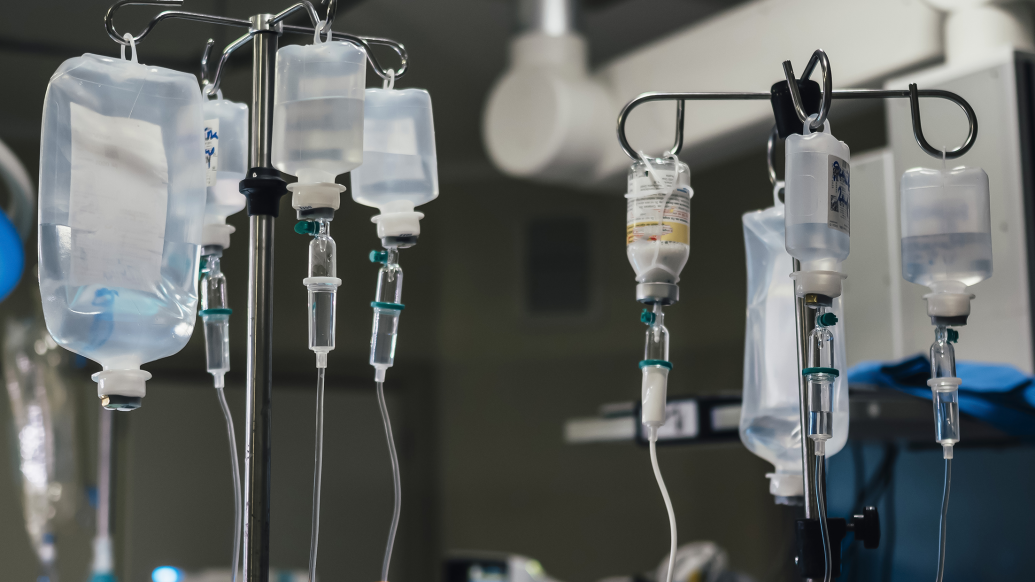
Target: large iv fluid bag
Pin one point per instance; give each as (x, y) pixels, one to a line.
(770, 422)
(122, 197)
(657, 223)
(226, 161)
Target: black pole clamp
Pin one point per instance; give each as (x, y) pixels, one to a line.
(787, 121)
(263, 188)
(810, 560)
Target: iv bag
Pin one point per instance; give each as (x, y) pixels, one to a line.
(226, 161)
(770, 421)
(44, 426)
(122, 198)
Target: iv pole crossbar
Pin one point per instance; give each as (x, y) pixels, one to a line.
(913, 94)
(275, 23)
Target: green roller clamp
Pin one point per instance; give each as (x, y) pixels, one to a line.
(826, 319)
(647, 317)
(378, 256)
(954, 336)
(662, 363)
(306, 227)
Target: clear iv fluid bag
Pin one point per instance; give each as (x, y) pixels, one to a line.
(946, 226)
(318, 110)
(399, 162)
(818, 210)
(770, 422)
(658, 240)
(122, 198)
(226, 157)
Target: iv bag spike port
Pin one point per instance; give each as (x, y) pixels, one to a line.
(912, 94)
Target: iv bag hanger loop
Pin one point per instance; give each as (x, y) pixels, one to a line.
(826, 88)
(913, 94)
(275, 22)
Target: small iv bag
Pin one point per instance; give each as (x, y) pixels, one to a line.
(400, 168)
(318, 110)
(818, 209)
(226, 161)
(946, 235)
(122, 199)
(657, 222)
(770, 421)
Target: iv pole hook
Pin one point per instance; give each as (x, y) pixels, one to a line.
(819, 57)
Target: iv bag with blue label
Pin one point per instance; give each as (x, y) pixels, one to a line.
(122, 200)
(770, 422)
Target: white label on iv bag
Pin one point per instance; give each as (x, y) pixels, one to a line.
(642, 214)
(211, 151)
(645, 184)
(839, 194)
(118, 198)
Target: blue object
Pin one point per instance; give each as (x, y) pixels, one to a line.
(166, 574)
(12, 257)
(103, 577)
(378, 256)
(998, 394)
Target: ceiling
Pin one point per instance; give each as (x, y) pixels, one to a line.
(457, 49)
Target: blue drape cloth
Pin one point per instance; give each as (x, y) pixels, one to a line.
(998, 394)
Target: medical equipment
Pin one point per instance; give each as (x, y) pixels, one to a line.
(317, 135)
(16, 222)
(819, 253)
(122, 198)
(657, 246)
(263, 188)
(769, 423)
(947, 247)
(399, 173)
(102, 569)
(43, 409)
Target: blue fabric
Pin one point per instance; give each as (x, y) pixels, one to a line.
(999, 394)
(12, 256)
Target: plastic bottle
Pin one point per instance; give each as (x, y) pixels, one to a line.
(122, 198)
(658, 225)
(770, 421)
(400, 168)
(946, 236)
(318, 110)
(818, 213)
(226, 158)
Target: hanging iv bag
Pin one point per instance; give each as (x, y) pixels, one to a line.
(226, 162)
(122, 199)
(770, 421)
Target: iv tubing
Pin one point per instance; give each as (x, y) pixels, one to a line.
(943, 522)
(314, 541)
(237, 482)
(395, 477)
(822, 505)
(668, 501)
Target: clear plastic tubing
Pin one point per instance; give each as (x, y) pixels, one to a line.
(388, 307)
(314, 539)
(945, 387)
(396, 481)
(235, 467)
(820, 375)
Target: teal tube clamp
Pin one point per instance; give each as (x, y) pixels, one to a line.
(826, 319)
(953, 336)
(647, 317)
(662, 363)
(384, 305)
(378, 256)
(809, 371)
(306, 227)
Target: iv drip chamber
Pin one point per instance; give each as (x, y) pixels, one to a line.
(818, 209)
(657, 226)
(946, 236)
(122, 202)
(225, 133)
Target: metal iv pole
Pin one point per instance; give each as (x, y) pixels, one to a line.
(263, 187)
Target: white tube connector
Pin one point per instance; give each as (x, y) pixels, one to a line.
(654, 393)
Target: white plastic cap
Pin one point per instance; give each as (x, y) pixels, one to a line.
(786, 484)
(398, 219)
(309, 195)
(948, 304)
(654, 393)
(121, 382)
(822, 282)
(217, 234)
